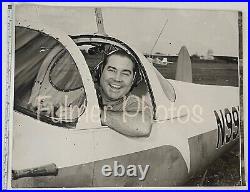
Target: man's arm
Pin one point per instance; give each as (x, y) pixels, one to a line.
(128, 123)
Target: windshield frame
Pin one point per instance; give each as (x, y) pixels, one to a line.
(84, 39)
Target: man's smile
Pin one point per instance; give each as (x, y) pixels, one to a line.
(115, 86)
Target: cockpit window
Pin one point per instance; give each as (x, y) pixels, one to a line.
(95, 52)
(47, 81)
(64, 74)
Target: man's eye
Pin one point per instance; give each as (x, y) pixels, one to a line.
(126, 74)
(111, 70)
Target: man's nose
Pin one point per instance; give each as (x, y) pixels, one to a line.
(117, 77)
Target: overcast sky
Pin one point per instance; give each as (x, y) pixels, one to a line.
(198, 30)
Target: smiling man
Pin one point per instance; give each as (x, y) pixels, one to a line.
(121, 110)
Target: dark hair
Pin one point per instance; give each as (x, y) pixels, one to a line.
(136, 72)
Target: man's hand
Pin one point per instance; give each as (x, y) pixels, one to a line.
(103, 117)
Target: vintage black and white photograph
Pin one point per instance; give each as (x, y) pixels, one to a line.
(126, 96)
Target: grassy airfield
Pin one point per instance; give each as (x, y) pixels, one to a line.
(225, 171)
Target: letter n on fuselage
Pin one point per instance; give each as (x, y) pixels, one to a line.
(221, 129)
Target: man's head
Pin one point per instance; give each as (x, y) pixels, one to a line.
(117, 75)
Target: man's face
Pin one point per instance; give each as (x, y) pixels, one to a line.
(117, 77)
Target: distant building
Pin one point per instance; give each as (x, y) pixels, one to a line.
(209, 56)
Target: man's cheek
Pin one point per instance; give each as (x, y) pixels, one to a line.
(125, 90)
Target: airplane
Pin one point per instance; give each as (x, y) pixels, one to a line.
(157, 61)
(192, 124)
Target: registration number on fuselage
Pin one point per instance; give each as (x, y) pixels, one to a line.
(228, 125)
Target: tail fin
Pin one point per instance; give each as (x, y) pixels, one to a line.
(184, 66)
